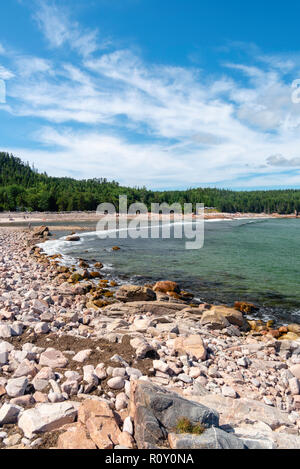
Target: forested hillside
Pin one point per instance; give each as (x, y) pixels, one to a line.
(24, 188)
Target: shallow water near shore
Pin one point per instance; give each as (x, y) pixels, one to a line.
(256, 260)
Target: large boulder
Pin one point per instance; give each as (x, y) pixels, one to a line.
(53, 359)
(235, 411)
(157, 308)
(9, 413)
(257, 435)
(232, 315)
(100, 422)
(16, 387)
(213, 438)
(222, 316)
(128, 293)
(41, 231)
(75, 438)
(157, 411)
(73, 238)
(191, 345)
(214, 320)
(47, 417)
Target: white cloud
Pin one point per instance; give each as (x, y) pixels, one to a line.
(59, 29)
(163, 126)
(28, 66)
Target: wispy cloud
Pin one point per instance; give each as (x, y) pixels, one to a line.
(116, 115)
(59, 29)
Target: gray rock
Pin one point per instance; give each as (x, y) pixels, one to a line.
(6, 346)
(17, 328)
(158, 410)
(185, 378)
(53, 359)
(128, 425)
(16, 387)
(47, 417)
(287, 441)
(244, 362)
(119, 372)
(3, 358)
(55, 397)
(133, 372)
(294, 386)
(128, 293)
(116, 383)
(258, 435)
(9, 414)
(212, 438)
(228, 391)
(40, 306)
(199, 389)
(234, 411)
(116, 358)
(260, 443)
(83, 355)
(5, 331)
(42, 328)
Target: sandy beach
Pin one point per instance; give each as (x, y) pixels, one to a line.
(51, 218)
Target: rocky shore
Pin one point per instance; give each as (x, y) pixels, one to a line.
(51, 218)
(86, 363)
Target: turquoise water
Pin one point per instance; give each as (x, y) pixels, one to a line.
(255, 260)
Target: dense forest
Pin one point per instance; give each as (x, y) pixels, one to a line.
(24, 188)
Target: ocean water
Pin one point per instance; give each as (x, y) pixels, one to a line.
(255, 260)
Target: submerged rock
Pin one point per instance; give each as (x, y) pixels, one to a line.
(245, 307)
(40, 231)
(73, 238)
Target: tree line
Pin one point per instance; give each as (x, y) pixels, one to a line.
(23, 188)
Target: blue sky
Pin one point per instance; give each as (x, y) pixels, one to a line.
(167, 94)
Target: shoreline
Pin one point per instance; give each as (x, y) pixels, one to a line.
(108, 350)
(268, 311)
(23, 218)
